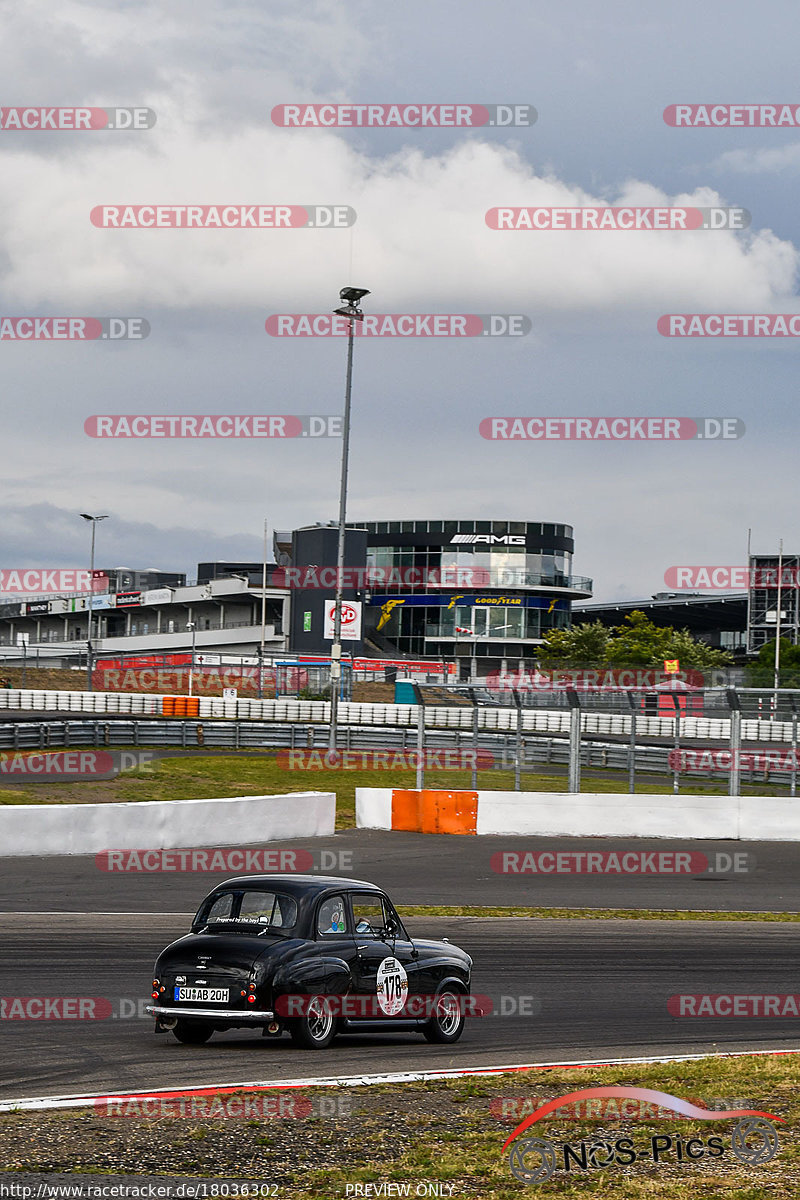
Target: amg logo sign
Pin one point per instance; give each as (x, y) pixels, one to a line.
(487, 539)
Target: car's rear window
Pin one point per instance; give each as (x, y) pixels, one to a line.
(232, 909)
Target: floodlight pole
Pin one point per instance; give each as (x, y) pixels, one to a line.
(351, 310)
(94, 520)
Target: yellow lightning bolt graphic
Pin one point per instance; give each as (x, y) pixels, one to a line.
(552, 604)
(386, 612)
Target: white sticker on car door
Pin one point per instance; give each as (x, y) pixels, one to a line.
(392, 987)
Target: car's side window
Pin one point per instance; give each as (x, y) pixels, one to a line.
(369, 915)
(221, 908)
(331, 916)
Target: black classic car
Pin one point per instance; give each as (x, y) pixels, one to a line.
(311, 955)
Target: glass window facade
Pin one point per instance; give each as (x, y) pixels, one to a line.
(519, 559)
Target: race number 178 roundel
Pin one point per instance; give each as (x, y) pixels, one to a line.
(392, 986)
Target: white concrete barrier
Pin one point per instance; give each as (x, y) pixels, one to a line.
(44, 829)
(587, 814)
(608, 814)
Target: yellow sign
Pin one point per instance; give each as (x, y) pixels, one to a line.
(671, 666)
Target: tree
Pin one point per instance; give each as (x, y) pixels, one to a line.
(637, 642)
(762, 672)
(581, 646)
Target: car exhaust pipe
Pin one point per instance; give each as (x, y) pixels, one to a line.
(165, 1024)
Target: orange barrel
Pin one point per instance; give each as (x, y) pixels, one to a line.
(168, 706)
(193, 706)
(180, 706)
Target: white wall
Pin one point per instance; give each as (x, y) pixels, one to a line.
(593, 814)
(42, 829)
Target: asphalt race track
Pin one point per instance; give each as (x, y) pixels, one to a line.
(587, 989)
(417, 868)
(602, 986)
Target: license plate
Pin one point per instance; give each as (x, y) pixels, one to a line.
(214, 995)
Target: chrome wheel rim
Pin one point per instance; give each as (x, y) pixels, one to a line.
(449, 1013)
(319, 1019)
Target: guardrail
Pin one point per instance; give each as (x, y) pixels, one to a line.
(539, 720)
(535, 751)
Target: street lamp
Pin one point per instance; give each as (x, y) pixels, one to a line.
(94, 520)
(350, 309)
(191, 625)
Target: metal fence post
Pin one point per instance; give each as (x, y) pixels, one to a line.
(474, 699)
(793, 779)
(574, 780)
(676, 700)
(518, 743)
(420, 736)
(632, 745)
(735, 706)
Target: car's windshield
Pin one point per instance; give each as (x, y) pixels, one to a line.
(233, 909)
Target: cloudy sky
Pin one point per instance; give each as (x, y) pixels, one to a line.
(599, 77)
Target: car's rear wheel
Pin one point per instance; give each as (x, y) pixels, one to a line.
(316, 1029)
(193, 1033)
(446, 1023)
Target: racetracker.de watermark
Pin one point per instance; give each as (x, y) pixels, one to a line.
(29, 581)
(407, 1007)
(605, 1108)
(61, 119)
(729, 325)
(399, 325)
(601, 217)
(620, 862)
(223, 216)
(385, 760)
(56, 1008)
(325, 578)
(716, 1004)
(610, 429)
(65, 766)
(402, 116)
(722, 759)
(731, 578)
(284, 1105)
(73, 329)
(247, 425)
(233, 859)
(719, 116)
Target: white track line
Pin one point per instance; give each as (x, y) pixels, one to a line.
(339, 1081)
(69, 912)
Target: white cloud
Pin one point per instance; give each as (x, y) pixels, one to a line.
(760, 162)
(420, 231)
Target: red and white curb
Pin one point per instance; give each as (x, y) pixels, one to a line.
(346, 1081)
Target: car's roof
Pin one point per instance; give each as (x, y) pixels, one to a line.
(298, 884)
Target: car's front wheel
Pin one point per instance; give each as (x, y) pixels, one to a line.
(446, 1023)
(317, 1027)
(193, 1033)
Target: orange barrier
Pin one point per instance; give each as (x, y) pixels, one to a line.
(434, 812)
(180, 706)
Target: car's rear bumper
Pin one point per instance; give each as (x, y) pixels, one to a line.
(212, 1014)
